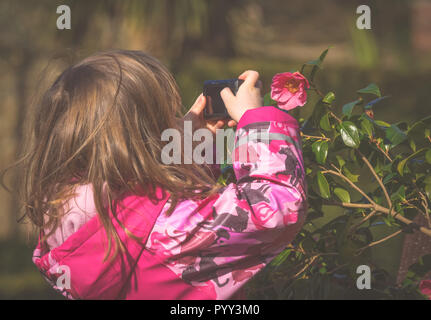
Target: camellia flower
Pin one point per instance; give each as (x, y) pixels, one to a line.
(425, 288)
(288, 89)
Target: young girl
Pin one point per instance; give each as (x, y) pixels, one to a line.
(116, 222)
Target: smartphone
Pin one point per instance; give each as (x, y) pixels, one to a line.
(215, 108)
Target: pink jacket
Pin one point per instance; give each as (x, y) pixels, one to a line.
(205, 249)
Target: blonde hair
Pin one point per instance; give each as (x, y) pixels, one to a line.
(100, 123)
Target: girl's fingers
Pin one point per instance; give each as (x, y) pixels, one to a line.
(220, 124)
(231, 123)
(214, 125)
(259, 84)
(250, 78)
(199, 105)
(227, 96)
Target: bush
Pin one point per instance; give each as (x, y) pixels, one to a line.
(379, 174)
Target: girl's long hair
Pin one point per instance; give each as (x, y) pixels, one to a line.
(101, 123)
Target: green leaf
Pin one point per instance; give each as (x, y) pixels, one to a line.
(322, 270)
(428, 156)
(320, 149)
(267, 101)
(417, 134)
(400, 194)
(403, 162)
(372, 88)
(367, 127)
(317, 63)
(324, 122)
(412, 145)
(348, 108)
(381, 123)
(428, 190)
(395, 135)
(388, 177)
(341, 161)
(278, 260)
(329, 98)
(342, 194)
(323, 185)
(349, 134)
(352, 177)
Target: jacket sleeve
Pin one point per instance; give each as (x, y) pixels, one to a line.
(228, 239)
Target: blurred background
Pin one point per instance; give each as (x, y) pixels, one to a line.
(200, 40)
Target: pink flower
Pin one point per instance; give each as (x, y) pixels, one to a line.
(288, 89)
(425, 288)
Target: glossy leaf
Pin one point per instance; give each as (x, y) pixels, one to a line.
(323, 185)
(372, 88)
(341, 161)
(367, 127)
(348, 108)
(329, 98)
(342, 194)
(324, 122)
(352, 177)
(349, 134)
(323, 153)
(395, 135)
(402, 163)
(381, 123)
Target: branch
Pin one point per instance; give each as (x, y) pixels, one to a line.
(307, 265)
(349, 205)
(401, 218)
(385, 191)
(314, 137)
(335, 117)
(425, 205)
(378, 208)
(354, 186)
(372, 244)
(367, 217)
(371, 204)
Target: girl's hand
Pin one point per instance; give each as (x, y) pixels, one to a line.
(196, 115)
(248, 95)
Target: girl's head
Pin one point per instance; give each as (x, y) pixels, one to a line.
(101, 123)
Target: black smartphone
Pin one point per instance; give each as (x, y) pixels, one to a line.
(215, 108)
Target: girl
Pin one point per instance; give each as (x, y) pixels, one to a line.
(115, 222)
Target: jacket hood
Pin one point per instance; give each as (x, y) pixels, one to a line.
(77, 267)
